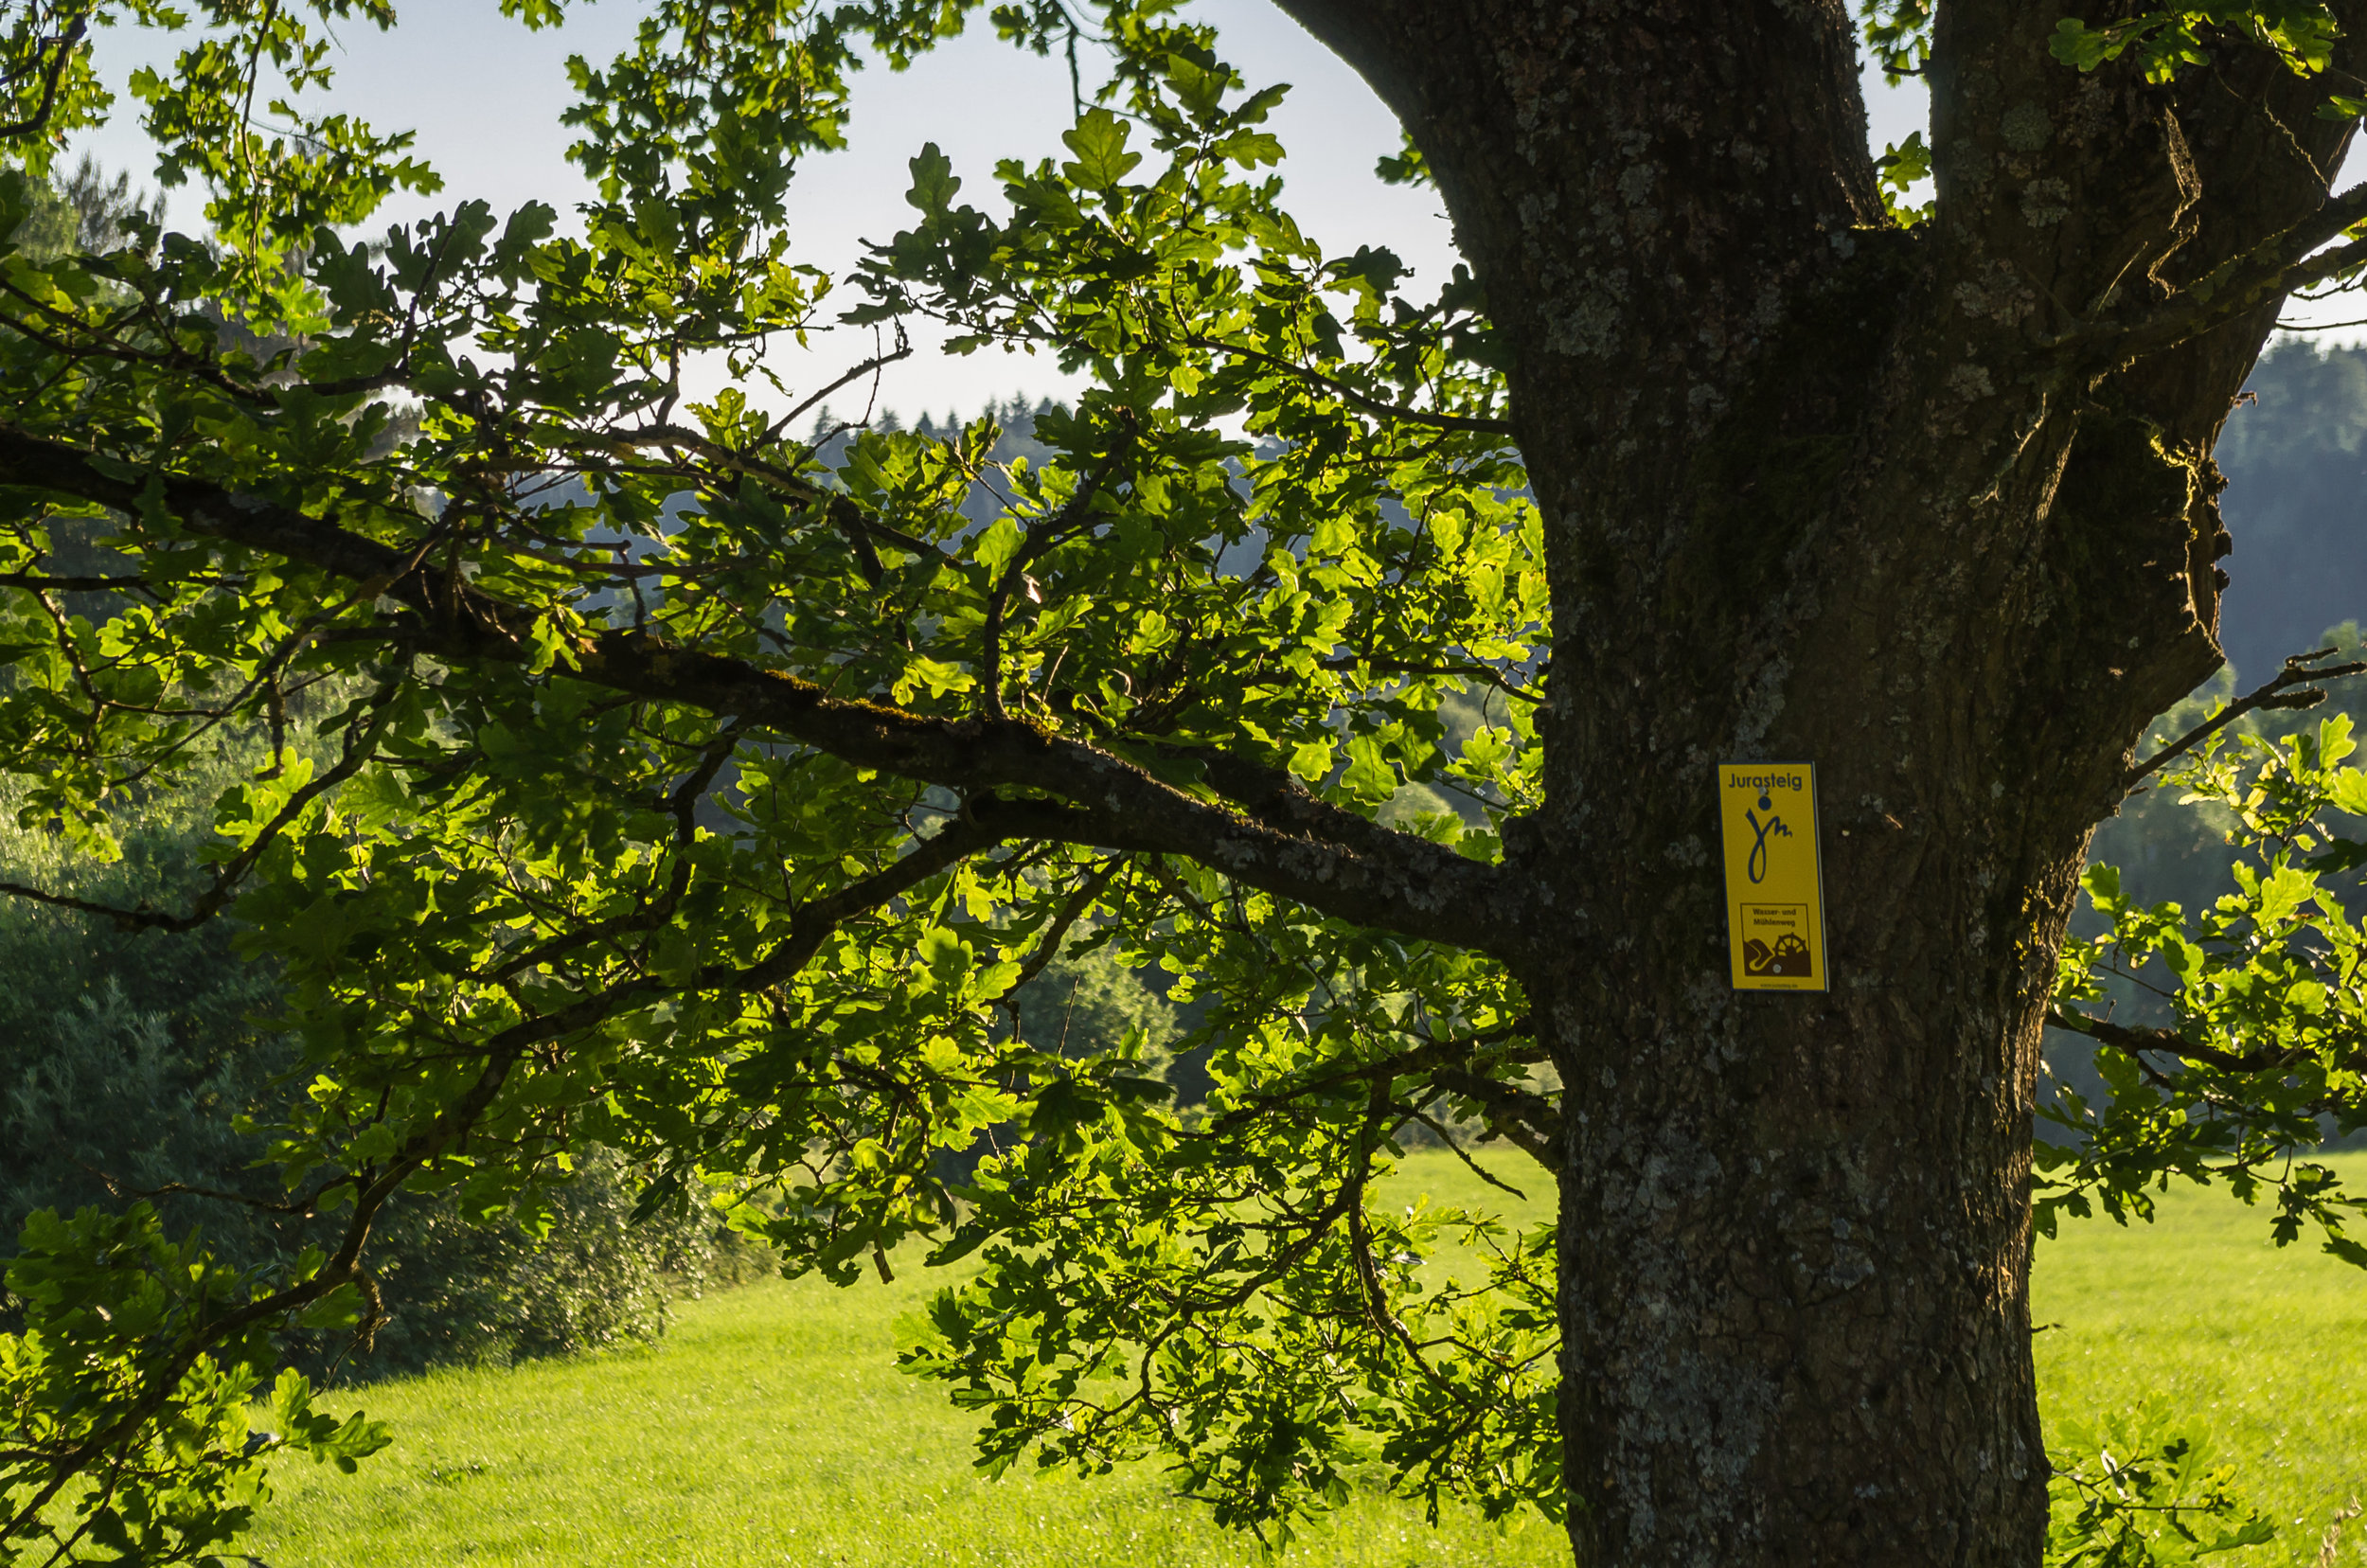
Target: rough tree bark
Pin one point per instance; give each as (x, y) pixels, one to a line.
(1903, 503)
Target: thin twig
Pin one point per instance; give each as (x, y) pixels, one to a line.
(1445, 1135)
(1042, 535)
(1078, 902)
(2273, 695)
(2132, 1040)
(1459, 423)
(868, 368)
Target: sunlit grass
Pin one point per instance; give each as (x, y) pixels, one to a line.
(772, 1427)
(2261, 1348)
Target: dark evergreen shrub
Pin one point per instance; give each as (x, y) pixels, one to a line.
(140, 1064)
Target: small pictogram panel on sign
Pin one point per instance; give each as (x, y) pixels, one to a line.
(1774, 884)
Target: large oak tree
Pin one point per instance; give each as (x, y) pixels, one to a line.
(629, 775)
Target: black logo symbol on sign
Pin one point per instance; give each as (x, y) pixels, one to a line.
(1788, 959)
(1759, 848)
(1775, 943)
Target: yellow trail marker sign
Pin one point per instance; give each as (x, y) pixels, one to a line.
(1774, 884)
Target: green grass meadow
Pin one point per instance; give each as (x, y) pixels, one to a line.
(2261, 1349)
(772, 1427)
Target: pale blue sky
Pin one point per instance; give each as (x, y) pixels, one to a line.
(484, 95)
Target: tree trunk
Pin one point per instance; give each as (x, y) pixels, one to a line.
(1795, 1226)
(1819, 489)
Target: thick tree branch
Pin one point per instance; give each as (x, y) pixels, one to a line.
(1275, 797)
(1527, 1121)
(1313, 854)
(53, 77)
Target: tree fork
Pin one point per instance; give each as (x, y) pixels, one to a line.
(1818, 489)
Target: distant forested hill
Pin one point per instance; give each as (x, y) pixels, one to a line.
(2296, 503)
